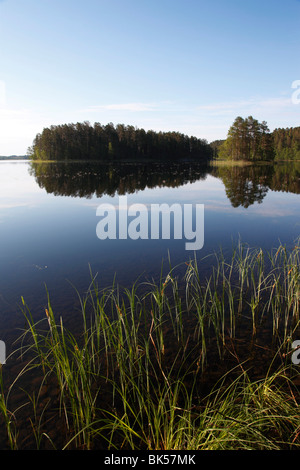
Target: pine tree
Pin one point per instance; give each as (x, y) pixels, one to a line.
(247, 140)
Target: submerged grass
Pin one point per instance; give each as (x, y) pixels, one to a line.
(193, 363)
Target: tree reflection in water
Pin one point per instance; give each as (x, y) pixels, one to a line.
(244, 185)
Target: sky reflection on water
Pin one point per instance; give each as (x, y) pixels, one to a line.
(48, 234)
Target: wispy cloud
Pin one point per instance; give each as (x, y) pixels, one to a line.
(253, 104)
(133, 107)
(12, 205)
(18, 129)
(2, 92)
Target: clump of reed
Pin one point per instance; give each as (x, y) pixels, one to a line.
(252, 288)
(156, 366)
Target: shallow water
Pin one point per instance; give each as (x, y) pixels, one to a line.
(48, 224)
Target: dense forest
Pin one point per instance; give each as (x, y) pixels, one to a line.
(251, 140)
(247, 140)
(287, 143)
(82, 141)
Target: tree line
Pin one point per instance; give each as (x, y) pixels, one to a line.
(251, 140)
(247, 139)
(83, 141)
(287, 143)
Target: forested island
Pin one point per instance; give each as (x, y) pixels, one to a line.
(250, 140)
(247, 140)
(82, 141)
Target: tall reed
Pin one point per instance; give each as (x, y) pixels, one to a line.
(142, 373)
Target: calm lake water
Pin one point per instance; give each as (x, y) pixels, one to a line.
(48, 224)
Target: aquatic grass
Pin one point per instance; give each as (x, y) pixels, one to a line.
(134, 375)
(8, 417)
(73, 365)
(37, 421)
(248, 287)
(156, 424)
(246, 414)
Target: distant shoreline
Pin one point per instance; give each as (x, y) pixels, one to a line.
(15, 157)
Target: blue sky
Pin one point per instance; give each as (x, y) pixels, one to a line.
(186, 65)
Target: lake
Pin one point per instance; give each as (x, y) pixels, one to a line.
(48, 222)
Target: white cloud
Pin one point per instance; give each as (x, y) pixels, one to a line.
(18, 128)
(253, 104)
(12, 205)
(133, 107)
(209, 120)
(2, 93)
(276, 111)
